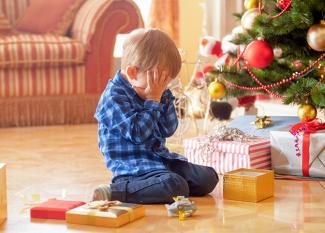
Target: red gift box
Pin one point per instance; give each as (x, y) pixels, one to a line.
(54, 209)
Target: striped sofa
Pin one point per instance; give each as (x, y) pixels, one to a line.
(49, 79)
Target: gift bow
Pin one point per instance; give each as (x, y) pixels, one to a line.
(102, 205)
(306, 128)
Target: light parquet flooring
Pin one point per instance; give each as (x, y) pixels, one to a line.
(64, 160)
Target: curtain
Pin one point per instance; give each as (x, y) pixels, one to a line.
(165, 16)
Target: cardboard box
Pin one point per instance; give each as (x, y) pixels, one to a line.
(53, 209)
(3, 193)
(252, 185)
(114, 216)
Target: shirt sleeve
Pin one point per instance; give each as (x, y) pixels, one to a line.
(133, 124)
(168, 120)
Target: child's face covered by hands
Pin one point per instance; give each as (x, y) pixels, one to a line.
(151, 84)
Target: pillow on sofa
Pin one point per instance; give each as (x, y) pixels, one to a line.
(44, 16)
(5, 26)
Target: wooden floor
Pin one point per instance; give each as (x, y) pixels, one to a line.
(64, 161)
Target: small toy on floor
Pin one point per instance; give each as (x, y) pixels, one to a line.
(182, 207)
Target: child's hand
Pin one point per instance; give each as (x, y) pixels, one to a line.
(156, 85)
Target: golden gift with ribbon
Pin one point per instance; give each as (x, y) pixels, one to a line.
(105, 213)
(3, 193)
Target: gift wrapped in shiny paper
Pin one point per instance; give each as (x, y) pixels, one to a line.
(252, 185)
(105, 213)
(3, 193)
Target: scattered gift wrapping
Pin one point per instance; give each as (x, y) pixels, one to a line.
(3, 193)
(114, 216)
(284, 157)
(225, 156)
(53, 209)
(250, 185)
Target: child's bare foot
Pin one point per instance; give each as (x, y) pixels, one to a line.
(102, 192)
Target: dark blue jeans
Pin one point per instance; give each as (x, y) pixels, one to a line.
(160, 186)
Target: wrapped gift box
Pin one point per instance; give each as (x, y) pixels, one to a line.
(244, 124)
(225, 156)
(53, 209)
(3, 193)
(115, 216)
(250, 185)
(284, 157)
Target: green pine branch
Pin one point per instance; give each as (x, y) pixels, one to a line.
(288, 32)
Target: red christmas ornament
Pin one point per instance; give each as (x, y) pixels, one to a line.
(283, 3)
(199, 74)
(259, 54)
(216, 49)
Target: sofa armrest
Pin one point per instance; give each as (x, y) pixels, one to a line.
(96, 25)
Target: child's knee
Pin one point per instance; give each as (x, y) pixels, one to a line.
(176, 186)
(208, 181)
(212, 179)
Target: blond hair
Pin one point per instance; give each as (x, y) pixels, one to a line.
(147, 49)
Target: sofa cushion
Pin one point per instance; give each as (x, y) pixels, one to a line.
(5, 26)
(50, 81)
(29, 50)
(49, 16)
(13, 9)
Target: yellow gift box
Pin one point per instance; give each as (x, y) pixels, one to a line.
(114, 216)
(250, 185)
(3, 193)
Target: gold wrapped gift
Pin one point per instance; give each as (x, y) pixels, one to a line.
(3, 193)
(104, 213)
(251, 185)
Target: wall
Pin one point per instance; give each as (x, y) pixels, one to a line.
(220, 16)
(204, 17)
(191, 24)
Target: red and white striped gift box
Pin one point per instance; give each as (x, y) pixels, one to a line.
(225, 156)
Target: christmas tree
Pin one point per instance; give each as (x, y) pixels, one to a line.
(280, 52)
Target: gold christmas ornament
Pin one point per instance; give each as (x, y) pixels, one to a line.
(307, 112)
(316, 36)
(250, 4)
(217, 90)
(248, 19)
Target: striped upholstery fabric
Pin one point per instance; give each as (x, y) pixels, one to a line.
(31, 50)
(54, 81)
(84, 25)
(13, 9)
(86, 19)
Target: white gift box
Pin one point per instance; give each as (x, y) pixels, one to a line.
(284, 157)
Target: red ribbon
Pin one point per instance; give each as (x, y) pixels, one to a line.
(307, 128)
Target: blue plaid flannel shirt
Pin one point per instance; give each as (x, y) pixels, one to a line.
(132, 131)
